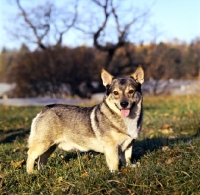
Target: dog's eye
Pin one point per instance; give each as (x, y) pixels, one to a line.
(115, 93)
(131, 92)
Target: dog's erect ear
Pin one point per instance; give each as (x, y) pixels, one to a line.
(106, 77)
(138, 75)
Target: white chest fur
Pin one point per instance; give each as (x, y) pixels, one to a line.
(132, 128)
(132, 124)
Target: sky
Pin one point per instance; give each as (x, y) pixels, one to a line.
(171, 18)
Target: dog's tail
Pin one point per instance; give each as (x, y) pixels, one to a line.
(33, 131)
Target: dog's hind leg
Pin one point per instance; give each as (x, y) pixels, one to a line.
(44, 157)
(35, 150)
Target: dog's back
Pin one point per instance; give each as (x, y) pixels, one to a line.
(59, 123)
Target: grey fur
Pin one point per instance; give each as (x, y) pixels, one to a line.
(102, 128)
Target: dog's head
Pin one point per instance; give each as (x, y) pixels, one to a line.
(123, 94)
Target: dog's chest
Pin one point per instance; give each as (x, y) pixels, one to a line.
(132, 127)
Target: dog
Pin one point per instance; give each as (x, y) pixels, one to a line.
(109, 127)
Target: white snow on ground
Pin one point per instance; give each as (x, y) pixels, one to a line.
(4, 87)
(39, 101)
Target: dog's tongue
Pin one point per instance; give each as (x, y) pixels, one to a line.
(125, 112)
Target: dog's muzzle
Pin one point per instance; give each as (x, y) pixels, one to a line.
(124, 104)
(124, 111)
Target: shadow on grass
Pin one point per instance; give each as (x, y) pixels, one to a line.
(140, 148)
(11, 135)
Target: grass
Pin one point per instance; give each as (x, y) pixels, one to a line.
(167, 154)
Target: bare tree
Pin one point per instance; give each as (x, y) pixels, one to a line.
(43, 22)
(114, 13)
(111, 25)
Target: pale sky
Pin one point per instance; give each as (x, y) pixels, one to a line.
(172, 19)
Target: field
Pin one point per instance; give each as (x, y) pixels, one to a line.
(167, 155)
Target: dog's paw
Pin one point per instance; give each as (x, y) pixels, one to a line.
(34, 172)
(133, 165)
(116, 172)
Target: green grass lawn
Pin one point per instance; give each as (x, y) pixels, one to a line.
(167, 155)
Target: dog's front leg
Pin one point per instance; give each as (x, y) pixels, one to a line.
(128, 155)
(125, 156)
(112, 159)
(125, 152)
(122, 156)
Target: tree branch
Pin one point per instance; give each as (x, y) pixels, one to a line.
(102, 27)
(34, 29)
(59, 41)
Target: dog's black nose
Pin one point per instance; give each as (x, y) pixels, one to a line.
(124, 104)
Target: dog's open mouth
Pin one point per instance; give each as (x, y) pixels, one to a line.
(125, 112)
